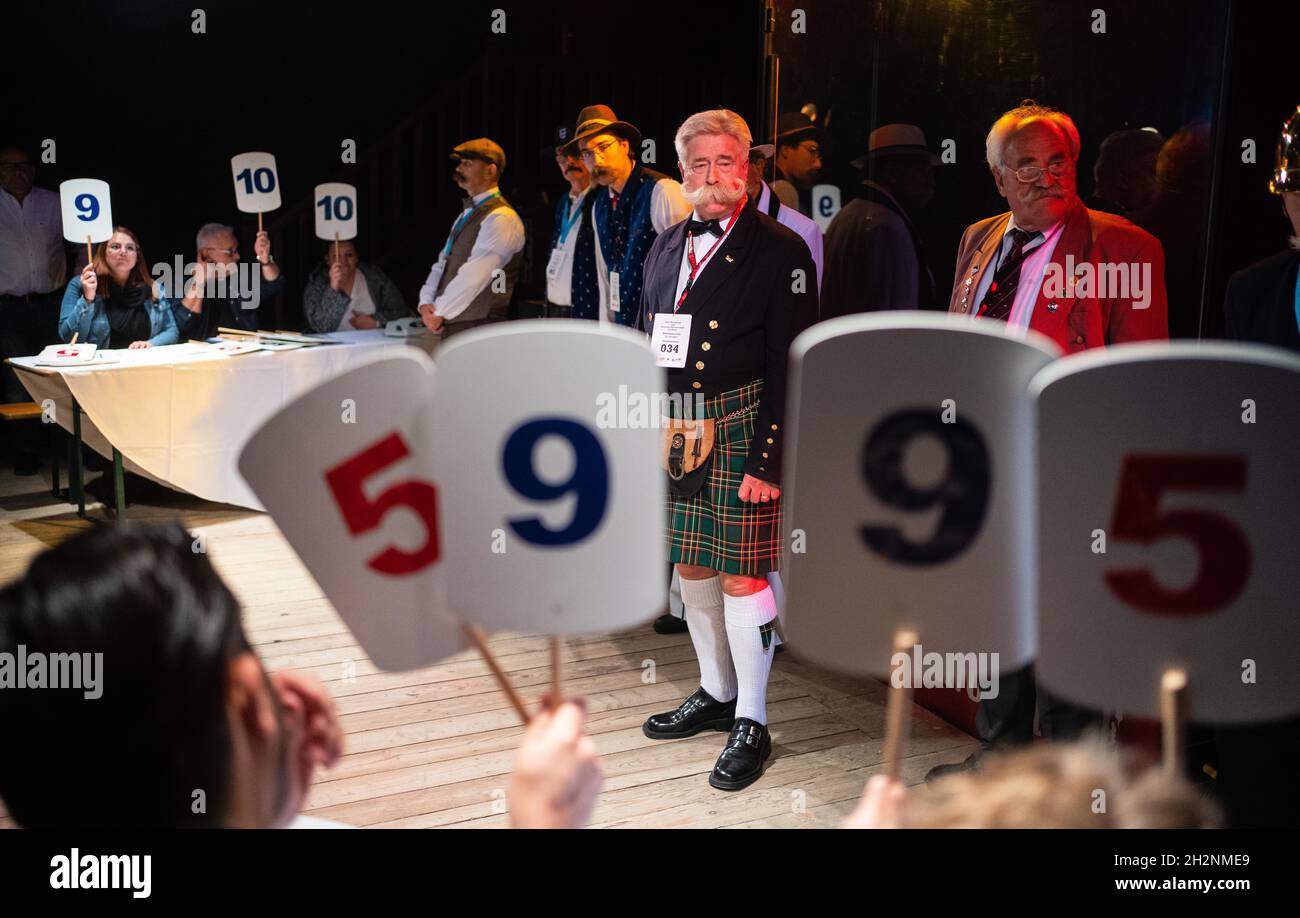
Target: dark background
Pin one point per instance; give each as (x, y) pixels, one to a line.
(130, 95)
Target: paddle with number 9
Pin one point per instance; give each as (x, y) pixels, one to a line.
(554, 509)
(589, 482)
(962, 493)
(909, 490)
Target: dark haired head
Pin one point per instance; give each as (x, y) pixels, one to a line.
(12, 146)
(158, 734)
(17, 169)
(344, 247)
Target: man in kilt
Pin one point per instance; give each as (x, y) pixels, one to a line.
(746, 285)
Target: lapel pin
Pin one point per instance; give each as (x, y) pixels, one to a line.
(1051, 307)
(728, 257)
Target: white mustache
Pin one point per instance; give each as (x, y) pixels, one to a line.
(719, 193)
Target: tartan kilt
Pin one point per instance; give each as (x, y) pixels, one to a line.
(715, 529)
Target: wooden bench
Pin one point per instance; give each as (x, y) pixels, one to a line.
(20, 411)
(12, 412)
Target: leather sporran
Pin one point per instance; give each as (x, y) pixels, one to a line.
(687, 454)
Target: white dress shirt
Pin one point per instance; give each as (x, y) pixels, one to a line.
(806, 228)
(667, 208)
(500, 236)
(559, 289)
(31, 243)
(1031, 275)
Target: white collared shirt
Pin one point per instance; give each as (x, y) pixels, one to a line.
(32, 259)
(559, 290)
(1031, 275)
(706, 246)
(500, 236)
(805, 227)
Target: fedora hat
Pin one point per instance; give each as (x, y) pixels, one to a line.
(895, 140)
(600, 119)
(791, 126)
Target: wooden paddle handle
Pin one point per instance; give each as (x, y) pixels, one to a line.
(1173, 689)
(557, 669)
(898, 710)
(479, 640)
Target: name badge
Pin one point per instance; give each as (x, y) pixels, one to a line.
(613, 290)
(670, 341)
(553, 266)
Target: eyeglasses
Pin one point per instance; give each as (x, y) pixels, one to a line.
(17, 167)
(229, 253)
(589, 156)
(1030, 174)
(123, 247)
(722, 163)
(812, 150)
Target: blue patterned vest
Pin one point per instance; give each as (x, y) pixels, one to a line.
(625, 236)
(584, 292)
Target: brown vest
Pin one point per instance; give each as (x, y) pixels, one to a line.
(488, 303)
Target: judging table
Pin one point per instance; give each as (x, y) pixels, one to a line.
(181, 414)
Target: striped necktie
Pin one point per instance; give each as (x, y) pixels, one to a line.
(1001, 294)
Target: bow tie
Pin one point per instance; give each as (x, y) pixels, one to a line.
(697, 227)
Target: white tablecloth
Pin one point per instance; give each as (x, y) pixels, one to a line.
(181, 414)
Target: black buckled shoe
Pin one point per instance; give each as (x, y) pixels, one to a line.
(742, 758)
(696, 713)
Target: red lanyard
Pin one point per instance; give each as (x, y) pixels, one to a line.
(690, 253)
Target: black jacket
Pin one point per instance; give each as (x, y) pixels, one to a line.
(1260, 303)
(744, 314)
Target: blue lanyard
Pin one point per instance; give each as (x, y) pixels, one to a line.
(460, 224)
(571, 216)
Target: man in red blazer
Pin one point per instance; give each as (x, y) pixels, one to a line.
(1083, 278)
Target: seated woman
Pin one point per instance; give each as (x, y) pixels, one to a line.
(115, 303)
(344, 294)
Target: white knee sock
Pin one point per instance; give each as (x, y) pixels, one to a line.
(675, 596)
(747, 617)
(704, 616)
(778, 592)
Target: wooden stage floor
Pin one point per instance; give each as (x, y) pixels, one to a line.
(435, 747)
